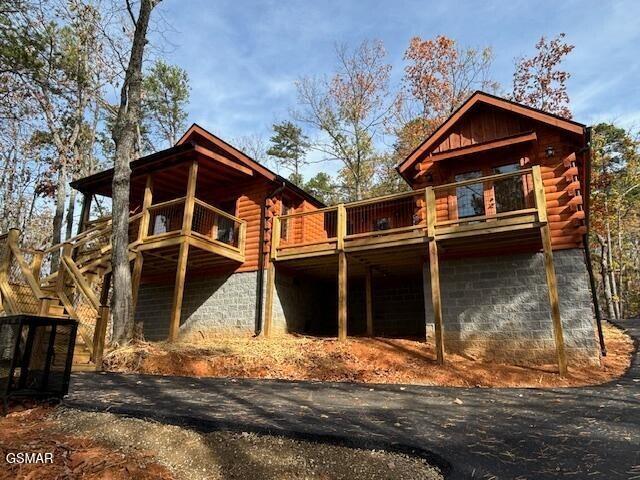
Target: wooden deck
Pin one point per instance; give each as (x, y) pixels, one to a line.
(416, 228)
(411, 218)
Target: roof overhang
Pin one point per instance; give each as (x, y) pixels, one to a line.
(484, 98)
(200, 144)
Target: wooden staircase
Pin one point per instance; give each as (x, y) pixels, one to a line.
(68, 280)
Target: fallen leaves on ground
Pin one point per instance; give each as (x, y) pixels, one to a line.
(73, 457)
(369, 360)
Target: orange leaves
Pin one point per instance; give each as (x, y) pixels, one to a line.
(538, 80)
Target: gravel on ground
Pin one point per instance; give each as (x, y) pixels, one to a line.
(224, 455)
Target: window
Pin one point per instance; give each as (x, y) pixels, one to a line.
(284, 225)
(508, 192)
(470, 197)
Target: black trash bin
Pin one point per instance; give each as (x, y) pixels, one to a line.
(36, 354)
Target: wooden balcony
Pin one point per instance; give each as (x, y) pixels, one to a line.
(413, 218)
(204, 226)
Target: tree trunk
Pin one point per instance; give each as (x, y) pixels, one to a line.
(124, 136)
(61, 196)
(604, 272)
(70, 212)
(612, 274)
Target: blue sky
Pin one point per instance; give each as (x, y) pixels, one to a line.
(243, 57)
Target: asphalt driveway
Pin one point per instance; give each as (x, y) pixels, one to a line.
(588, 432)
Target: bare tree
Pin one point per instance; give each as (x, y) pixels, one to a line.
(347, 110)
(124, 137)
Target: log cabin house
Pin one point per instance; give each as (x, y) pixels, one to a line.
(485, 254)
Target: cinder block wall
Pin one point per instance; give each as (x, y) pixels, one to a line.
(210, 304)
(228, 303)
(498, 307)
(495, 308)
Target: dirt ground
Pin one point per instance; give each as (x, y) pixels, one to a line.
(74, 457)
(90, 445)
(377, 360)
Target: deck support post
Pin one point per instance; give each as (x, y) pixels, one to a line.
(434, 269)
(143, 229)
(369, 300)
(553, 299)
(135, 289)
(342, 296)
(183, 255)
(99, 335)
(271, 286)
(552, 284)
(190, 197)
(178, 291)
(341, 232)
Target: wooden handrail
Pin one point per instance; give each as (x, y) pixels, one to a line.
(79, 280)
(308, 212)
(477, 218)
(218, 211)
(385, 198)
(173, 201)
(25, 269)
(488, 178)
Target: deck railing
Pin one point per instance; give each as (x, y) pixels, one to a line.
(476, 204)
(505, 199)
(166, 217)
(218, 226)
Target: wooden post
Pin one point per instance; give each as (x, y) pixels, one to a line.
(143, 229)
(434, 269)
(36, 263)
(369, 300)
(135, 281)
(538, 191)
(430, 209)
(189, 202)
(426, 293)
(341, 228)
(552, 283)
(436, 300)
(99, 335)
(62, 269)
(271, 285)
(85, 212)
(342, 296)
(553, 299)
(242, 241)
(275, 237)
(178, 291)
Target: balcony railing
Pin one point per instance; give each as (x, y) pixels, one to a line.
(507, 200)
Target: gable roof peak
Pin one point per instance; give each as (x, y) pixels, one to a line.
(497, 102)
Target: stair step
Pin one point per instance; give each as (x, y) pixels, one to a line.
(83, 367)
(57, 311)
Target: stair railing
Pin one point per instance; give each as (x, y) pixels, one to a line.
(20, 289)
